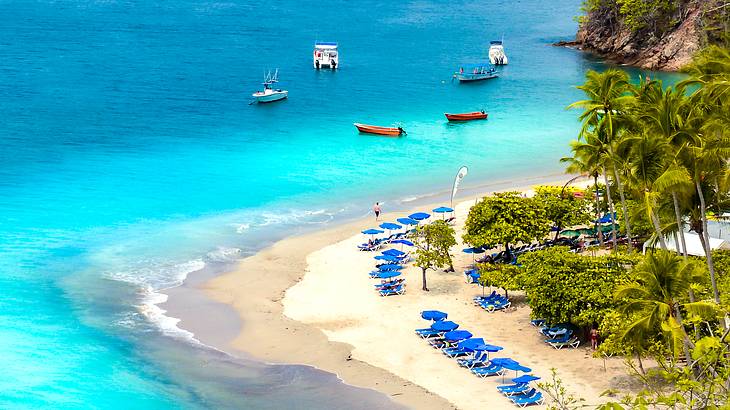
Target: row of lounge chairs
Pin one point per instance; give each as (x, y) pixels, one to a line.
(378, 243)
(558, 336)
(473, 354)
(492, 302)
(388, 265)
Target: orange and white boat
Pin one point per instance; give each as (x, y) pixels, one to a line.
(467, 116)
(374, 129)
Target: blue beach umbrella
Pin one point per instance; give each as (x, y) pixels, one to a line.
(389, 267)
(372, 231)
(407, 221)
(389, 258)
(473, 252)
(487, 348)
(434, 315)
(390, 226)
(393, 252)
(457, 335)
(469, 344)
(525, 378)
(443, 210)
(387, 275)
(403, 241)
(444, 326)
(419, 216)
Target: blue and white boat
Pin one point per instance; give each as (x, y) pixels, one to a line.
(496, 53)
(269, 94)
(478, 72)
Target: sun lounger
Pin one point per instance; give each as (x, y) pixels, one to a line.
(479, 359)
(532, 397)
(562, 342)
(537, 322)
(513, 389)
(387, 285)
(428, 333)
(398, 290)
(496, 305)
(486, 371)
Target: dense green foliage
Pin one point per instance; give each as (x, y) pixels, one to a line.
(657, 16)
(665, 151)
(505, 218)
(505, 276)
(432, 243)
(562, 207)
(562, 286)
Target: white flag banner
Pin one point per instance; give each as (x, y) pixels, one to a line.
(459, 176)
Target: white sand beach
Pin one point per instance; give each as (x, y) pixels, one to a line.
(320, 308)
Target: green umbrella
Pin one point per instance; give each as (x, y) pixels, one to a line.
(571, 233)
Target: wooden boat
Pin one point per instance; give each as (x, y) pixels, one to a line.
(374, 129)
(467, 116)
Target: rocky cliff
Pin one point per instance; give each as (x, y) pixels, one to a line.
(661, 43)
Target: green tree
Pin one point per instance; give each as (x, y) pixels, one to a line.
(562, 207)
(603, 110)
(433, 242)
(562, 286)
(507, 277)
(661, 281)
(505, 218)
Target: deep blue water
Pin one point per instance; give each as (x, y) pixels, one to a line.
(130, 157)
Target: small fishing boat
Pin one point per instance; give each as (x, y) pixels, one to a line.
(325, 55)
(467, 116)
(269, 94)
(496, 53)
(374, 129)
(476, 73)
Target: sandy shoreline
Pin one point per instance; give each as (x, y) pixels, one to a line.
(308, 300)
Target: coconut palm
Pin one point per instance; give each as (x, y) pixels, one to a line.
(607, 102)
(646, 163)
(661, 281)
(591, 153)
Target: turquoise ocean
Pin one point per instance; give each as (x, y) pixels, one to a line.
(130, 158)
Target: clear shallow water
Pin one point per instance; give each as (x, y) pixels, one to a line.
(129, 157)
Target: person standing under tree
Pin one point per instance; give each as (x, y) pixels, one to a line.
(376, 210)
(594, 338)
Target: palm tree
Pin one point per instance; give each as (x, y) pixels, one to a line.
(586, 160)
(607, 101)
(593, 151)
(646, 163)
(660, 281)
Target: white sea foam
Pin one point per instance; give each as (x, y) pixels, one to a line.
(241, 228)
(152, 278)
(167, 324)
(223, 254)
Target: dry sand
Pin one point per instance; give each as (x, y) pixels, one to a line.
(309, 300)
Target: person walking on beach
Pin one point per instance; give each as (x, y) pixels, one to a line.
(376, 210)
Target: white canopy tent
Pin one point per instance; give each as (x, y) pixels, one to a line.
(694, 246)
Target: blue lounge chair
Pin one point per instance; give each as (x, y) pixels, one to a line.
(513, 389)
(537, 322)
(398, 290)
(463, 348)
(477, 360)
(387, 285)
(489, 370)
(529, 398)
(566, 341)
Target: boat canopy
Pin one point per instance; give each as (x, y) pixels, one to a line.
(496, 42)
(325, 45)
(477, 65)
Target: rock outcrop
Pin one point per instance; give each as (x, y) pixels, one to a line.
(667, 49)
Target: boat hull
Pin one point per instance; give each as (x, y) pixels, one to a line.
(374, 129)
(264, 98)
(475, 77)
(469, 116)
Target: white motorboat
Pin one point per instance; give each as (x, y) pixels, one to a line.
(496, 53)
(325, 55)
(270, 94)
